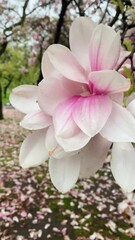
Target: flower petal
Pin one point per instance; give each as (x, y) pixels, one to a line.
(66, 63)
(91, 113)
(108, 81)
(53, 91)
(52, 146)
(33, 151)
(75, 142)
(131, 107)
(64, 172)
(120, 126)
(80, 35)
(48, 70)
(36, 120)
(93, 156)
(24, 98)
(63, 122)
(123, 165)
(104, 48)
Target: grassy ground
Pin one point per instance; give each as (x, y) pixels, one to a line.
(31, 208)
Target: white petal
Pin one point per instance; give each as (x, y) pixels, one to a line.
(48, 70)
(24, 98)
(75, 142)
(123, 165)
(36, 120)
(120, 126)
(93, 155)
(52, 146)
(80, 35)
(91, 113)
(33, 151)
(131, 107)
(104, 48)
(64, 172)
(66, 63)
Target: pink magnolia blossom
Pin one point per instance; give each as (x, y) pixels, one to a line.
(83, 92)
(41, 144)
(76, 110)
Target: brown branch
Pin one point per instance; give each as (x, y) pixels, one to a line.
(115, 17)
(127, 57)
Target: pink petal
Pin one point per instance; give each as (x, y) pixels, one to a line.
(63, 122)
(104, 48)
(65, 62)
(33, 151)
(53, 91)
(24, 98)
(117, 97)
(64, 172)
(120, 126)
(108, 81)
(123, 165)
(80, 35)
(36, 120)
(93, 156)
(91, 113)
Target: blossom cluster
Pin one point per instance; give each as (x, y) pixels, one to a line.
(76, 113)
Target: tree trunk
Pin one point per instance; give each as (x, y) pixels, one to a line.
(1, 106)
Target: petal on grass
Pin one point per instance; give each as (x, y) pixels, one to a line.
(64, 172)
(120, 126)
(24, 98)
(66, 63)
(123, 165)
(80, 35)
(91, 113)
(36, 120)
(33, 151)
(108, 81)
(93, 156)
(104, 48)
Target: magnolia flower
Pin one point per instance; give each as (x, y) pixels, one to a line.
(82, 90)
(76, 111)
(123, 160)
(64, 167)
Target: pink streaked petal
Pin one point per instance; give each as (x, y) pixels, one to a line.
(24, 98)
(108, 81)
(33, 151)
(131, 107)
(66, 63)
(48, 70)
(52, 146)
(91, 113)
(80, 35)
(120, 126)
(64, 172)
(53, 91)
(36, 120)
(104, 48)
(75, 142)
(123, 165)
(93, 156)
(64, 124)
